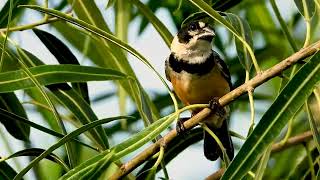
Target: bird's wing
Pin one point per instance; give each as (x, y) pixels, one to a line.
(167, 70)
(223, 68)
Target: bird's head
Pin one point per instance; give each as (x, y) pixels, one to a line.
(193, 39)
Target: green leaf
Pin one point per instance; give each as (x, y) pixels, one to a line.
(53, 74)
(306, 8)
(158, 25)
(173, 148)
(64, 56)
(243, 28)
(36, 152)
(263, 163)
(6, 171)
(312, 122)
(76, 104)
(90, 14)
(193, 17)
(110, 3)
(126, 147)
(66, 139)
(11, 103)
(4, 13)
(291, 98)
(91, 172)
(16, 118)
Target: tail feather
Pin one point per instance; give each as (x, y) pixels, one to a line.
(211, 149)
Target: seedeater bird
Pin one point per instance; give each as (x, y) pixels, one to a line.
(198, 75)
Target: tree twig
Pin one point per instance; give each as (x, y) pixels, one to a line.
(277, 147)
(226, 99)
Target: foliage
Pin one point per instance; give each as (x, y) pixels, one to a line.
(251, 37)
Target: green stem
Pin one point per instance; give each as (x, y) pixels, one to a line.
(29, 26)
(160, 157)
(307, 19)
(251, 101)
(283, 26)
(308, 34)
(310, 162)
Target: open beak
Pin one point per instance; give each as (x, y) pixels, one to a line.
(207, 34)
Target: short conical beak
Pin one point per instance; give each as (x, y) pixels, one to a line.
(207, 34)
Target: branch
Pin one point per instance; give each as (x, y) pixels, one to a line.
(226, 99)
(277, 147)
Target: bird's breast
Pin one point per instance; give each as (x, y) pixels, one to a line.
(195, 89)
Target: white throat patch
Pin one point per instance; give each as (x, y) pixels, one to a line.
(195, 51)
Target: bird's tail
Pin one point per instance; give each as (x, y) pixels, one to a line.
(211, 149)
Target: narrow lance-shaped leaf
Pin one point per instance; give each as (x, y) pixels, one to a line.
(64, 56)
(14, 117)
(312, 121)
(6, 171)
(126, 147)
(4, 13)
(243, 28)
(53, 74)
(158, 25)
(306, 8)
(66, 139)
(75, 104)
(36, 152)
(11, 103)
(291, 98)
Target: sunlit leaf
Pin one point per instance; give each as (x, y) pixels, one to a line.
(64, 56)
(243, 28)
(36, 152)
(306, 8)
(53, 74)
(66, 139)
(291, 98)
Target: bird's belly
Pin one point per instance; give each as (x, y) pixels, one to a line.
(193, 89)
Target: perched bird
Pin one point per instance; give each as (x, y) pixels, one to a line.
(198, 75)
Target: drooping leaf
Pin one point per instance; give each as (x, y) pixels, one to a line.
(36, 152)
(306, 8)
(312, 121)
(158, 25)
(53, 74)
(243, 28)
(64, 56)
(6, 171)
(66, 139)
(11, 103)
(4, 13)
(289, 101)
(15, 118)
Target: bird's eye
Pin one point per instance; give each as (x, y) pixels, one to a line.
(193, 26)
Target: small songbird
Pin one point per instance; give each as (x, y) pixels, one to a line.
(198, 75)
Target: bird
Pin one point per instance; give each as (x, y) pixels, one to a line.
(198, 75)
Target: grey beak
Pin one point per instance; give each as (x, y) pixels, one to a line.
(207, 34)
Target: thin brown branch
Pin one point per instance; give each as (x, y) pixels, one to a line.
(303, 137)
(226, 99)
(277, 147)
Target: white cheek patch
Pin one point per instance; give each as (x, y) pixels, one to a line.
(202, 24)
(194, 52)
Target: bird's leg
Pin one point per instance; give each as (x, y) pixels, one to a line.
(180, 127)
(215, 106)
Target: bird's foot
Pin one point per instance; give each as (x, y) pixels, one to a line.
(215, 106)
(180, 127)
